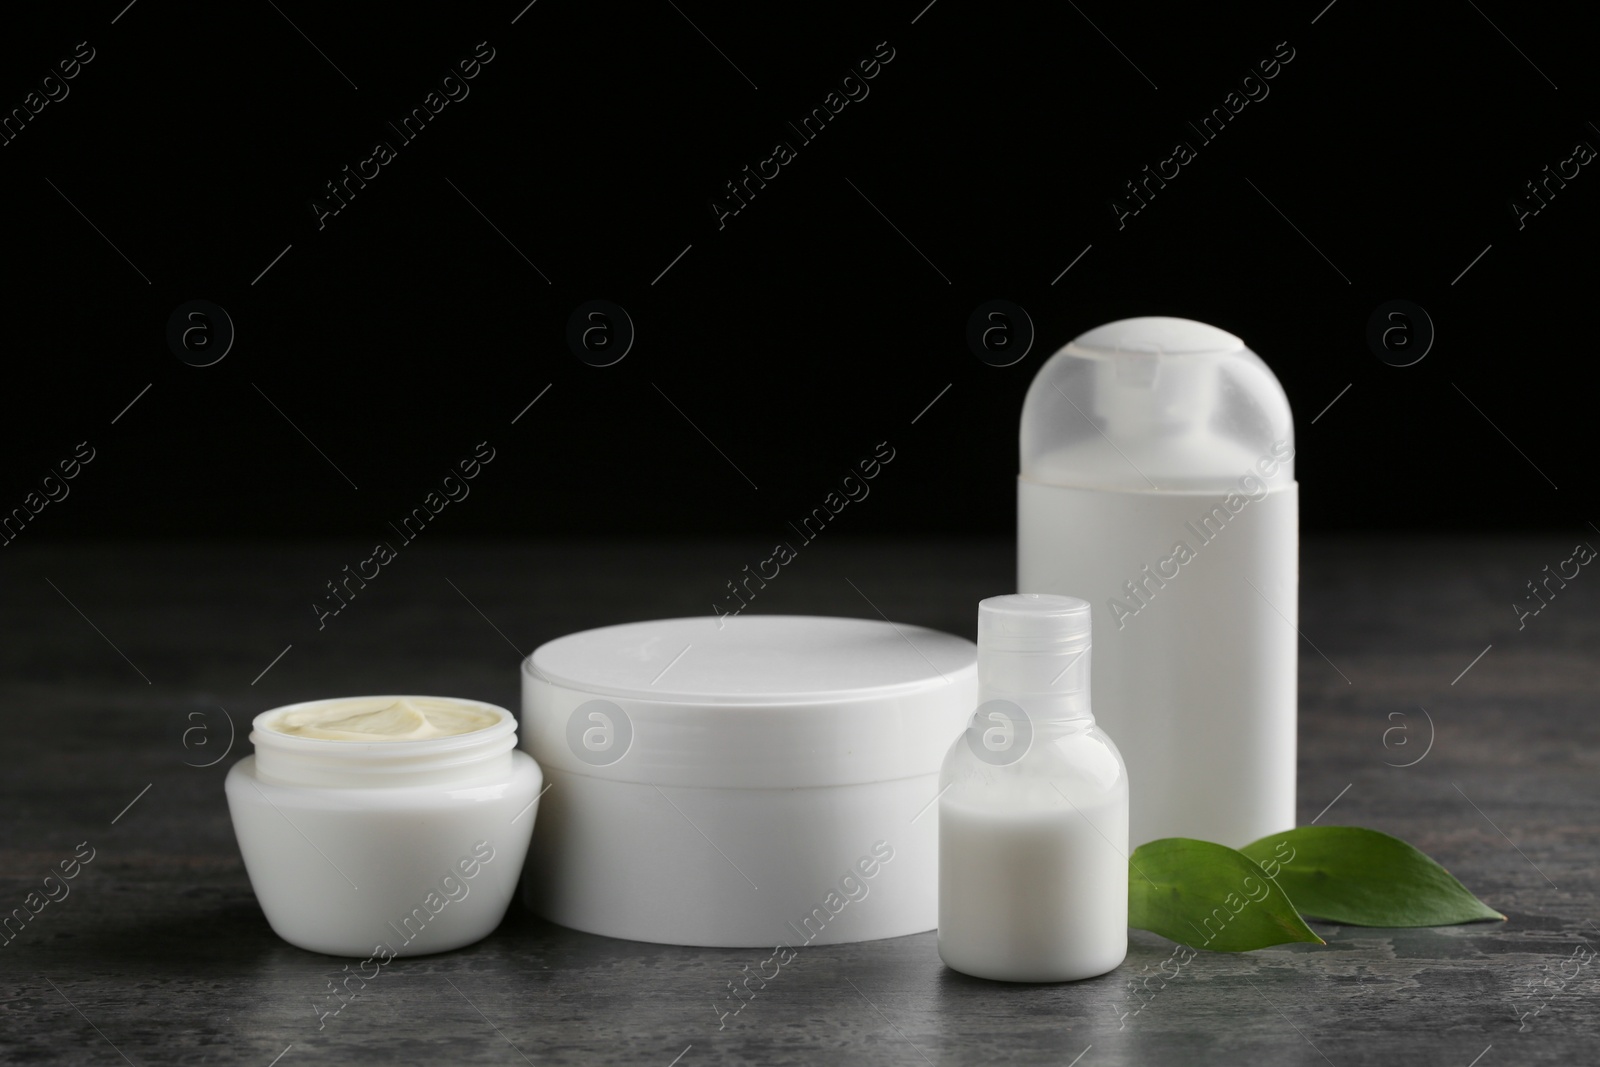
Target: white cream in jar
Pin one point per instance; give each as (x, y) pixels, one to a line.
(384, 826)
(382, 719)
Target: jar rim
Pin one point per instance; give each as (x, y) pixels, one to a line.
(400, 750)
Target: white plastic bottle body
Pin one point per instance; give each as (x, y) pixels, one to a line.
(1195, 601)
(1033, 894)
(1033, 807)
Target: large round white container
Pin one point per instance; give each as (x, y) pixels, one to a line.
(769, 780)
(1137, 438)
(386, 848)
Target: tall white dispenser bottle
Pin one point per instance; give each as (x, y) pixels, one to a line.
(1157, 482)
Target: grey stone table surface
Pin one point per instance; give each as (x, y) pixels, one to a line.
(115, 655)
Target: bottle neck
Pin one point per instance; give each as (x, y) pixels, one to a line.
(1049, 687)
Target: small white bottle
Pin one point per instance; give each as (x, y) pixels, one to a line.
(1158, 483)
(1033, 807)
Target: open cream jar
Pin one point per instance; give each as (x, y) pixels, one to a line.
(384, 826)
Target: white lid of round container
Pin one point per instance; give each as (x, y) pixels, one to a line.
(749, 701)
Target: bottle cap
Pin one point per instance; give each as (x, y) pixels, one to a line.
(1033, 649)
(1033, 622)
(1156, 403)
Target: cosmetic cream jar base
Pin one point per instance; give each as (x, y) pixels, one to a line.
(391, 847)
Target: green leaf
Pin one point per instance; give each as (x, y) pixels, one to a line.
(1347, 874)
(1209, 896)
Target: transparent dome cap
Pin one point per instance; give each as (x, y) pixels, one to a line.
(1156, 403)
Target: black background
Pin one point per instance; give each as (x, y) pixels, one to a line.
(807, 329)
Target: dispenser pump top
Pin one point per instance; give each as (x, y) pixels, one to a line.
(1152, 404)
